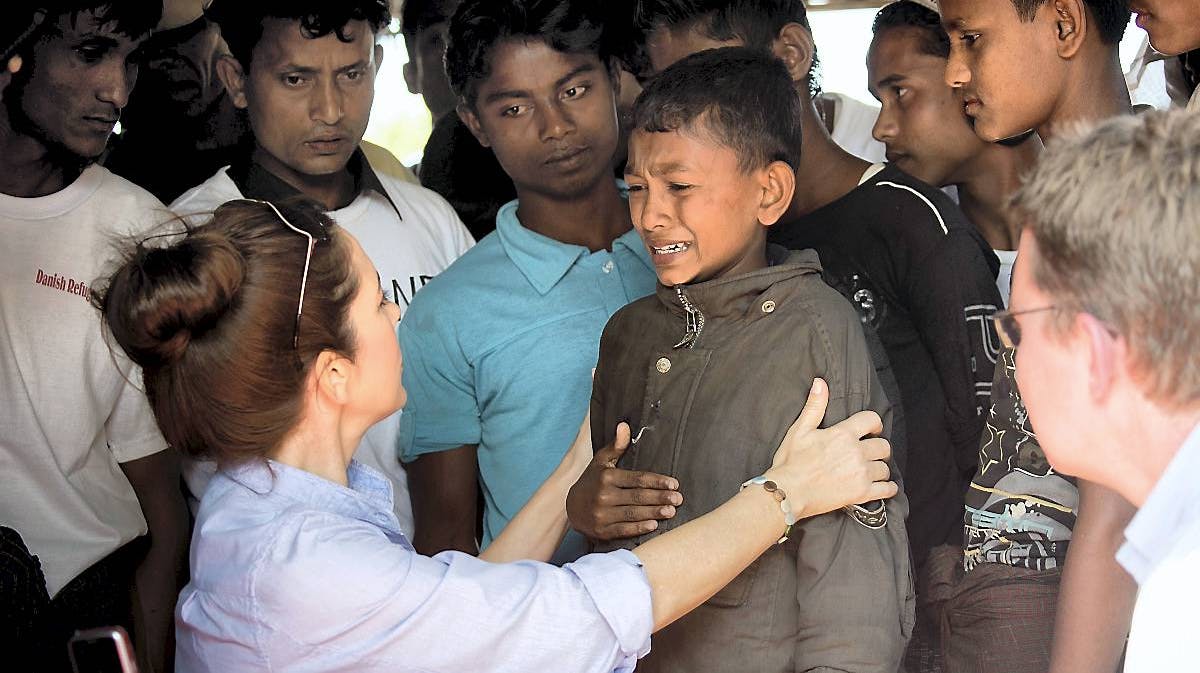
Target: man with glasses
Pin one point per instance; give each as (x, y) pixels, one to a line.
(90, 486)
(1104, 312)
(305, 76)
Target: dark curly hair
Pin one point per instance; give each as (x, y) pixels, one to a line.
(132, 18)
(241, 21)
(568, 26)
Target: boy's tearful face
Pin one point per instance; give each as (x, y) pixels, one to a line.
(1008, 70)
(699, 213)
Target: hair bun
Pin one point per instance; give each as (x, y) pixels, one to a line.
(163, 299)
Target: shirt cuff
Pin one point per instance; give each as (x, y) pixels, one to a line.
(618, 585)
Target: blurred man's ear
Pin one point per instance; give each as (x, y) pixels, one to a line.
(468, 117)
(794, 46)
(234, 79)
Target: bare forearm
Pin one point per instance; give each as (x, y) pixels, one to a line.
(155, 480)
(444, 492)
(156, 590)
(538, 529)
(1095, 603)
(728, 539)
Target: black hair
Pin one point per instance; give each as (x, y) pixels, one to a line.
(1111, 16)
(907, 14)
(756, 23)
(131, 18)
(241, 21)
(417, 15)
(739, 97)
(567, 26)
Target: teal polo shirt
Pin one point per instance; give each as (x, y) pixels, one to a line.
(499, 351)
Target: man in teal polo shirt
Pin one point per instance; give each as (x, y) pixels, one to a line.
(499, 349)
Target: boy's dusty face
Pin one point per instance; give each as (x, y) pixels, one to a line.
(697, 211)
(921, 120)
(1173, 25)
(550, 117)
(1008, 69)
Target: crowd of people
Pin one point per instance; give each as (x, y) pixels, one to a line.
(658, 338)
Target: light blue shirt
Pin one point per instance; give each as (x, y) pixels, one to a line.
(1162, 552)
(291, 572)
(499, 351)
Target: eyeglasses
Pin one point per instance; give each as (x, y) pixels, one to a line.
(322, 236)
(1009, 329)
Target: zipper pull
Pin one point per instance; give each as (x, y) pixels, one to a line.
(693, 321)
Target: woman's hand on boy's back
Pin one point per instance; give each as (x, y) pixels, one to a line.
(608, 503)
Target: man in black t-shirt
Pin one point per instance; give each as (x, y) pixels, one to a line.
(925, 281)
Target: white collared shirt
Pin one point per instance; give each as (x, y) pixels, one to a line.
(1162, 552)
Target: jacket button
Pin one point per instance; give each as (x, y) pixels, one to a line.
(663, 365)
(768, 306)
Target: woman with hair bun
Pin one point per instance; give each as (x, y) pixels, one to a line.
(267, 345)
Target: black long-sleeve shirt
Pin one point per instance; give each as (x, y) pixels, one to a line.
(916, 270)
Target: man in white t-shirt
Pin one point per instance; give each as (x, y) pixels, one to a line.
(306, 82)
(86, 472)
(1106, 308)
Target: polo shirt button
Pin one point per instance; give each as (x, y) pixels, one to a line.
(663, 365)
(608, 266)
(768, 306)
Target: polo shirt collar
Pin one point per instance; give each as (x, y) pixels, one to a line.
(256, 182)
(1151, 534)
(544, 261)
(368, 498)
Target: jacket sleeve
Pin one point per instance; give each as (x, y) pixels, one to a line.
(854, 584)
(953, 294)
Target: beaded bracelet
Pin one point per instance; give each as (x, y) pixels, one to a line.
(789, 517)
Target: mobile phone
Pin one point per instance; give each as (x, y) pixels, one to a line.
(103, 650)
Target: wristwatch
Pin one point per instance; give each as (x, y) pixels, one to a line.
(873, 515)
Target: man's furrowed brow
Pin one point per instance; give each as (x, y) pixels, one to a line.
(358, 65)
